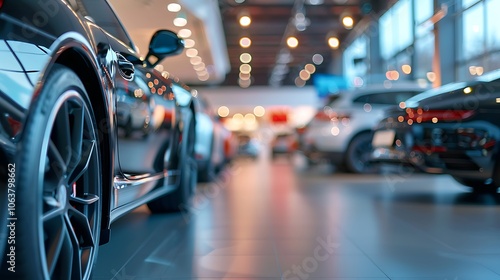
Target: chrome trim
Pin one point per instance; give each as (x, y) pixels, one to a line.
(130, 180)
(122, 210)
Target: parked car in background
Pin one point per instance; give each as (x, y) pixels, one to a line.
(283, 144)
(75, 171)
(341, 131)
(248, 146)
(214, 144)
(454, 129)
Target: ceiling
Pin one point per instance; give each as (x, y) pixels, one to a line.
(216, 31)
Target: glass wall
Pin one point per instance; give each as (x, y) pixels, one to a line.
(356, 61)
(479, 40)
(407, 40)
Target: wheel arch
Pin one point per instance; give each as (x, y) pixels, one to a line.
(77, 57)
(358, 133)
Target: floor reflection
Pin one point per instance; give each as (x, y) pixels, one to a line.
(268, 219)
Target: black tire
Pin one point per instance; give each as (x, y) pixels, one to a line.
(58, 184)
(477, 186)
(208, 173)
(358, 155)
(178, 200)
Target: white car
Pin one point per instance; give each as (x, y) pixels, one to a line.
(341, 131)
(212, 149)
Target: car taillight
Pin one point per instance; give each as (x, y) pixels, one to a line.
(1, 3)
(322, 116)
(419, 115)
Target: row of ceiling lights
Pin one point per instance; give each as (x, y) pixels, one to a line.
(191, 52)
(299, 23)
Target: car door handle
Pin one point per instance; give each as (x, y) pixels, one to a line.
(126, 67)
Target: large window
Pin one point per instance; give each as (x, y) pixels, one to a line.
(493, 24)
(396, 29)
(479, 47)
(473, 32)
(356, 59)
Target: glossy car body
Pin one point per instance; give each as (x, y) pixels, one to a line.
(214, 144)
(453, 129)
(104, 81)
(341, 131)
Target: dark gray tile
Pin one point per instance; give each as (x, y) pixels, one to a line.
(328, 266)
(444, 266)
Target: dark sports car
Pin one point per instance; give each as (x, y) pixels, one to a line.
(88, 132)
(454, 129)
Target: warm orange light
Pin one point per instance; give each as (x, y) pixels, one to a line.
(406, 69)
(245, 21)
(334, 42)
(292, 42)
(348, 22)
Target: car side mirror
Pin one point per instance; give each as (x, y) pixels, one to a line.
(163, 43)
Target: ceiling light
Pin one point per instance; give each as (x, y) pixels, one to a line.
(299, 82)
(245, 58)
(245, 21)
(199, 67)
(317, 59)
(245, 42)
(173, 7)
(304, 75)
(204, 77)
(223, 111)
(203, 72)
(244, 84)
(191, 52)
(180, 20)
(239, 1)
(245, 68)
(310, 68)
(259, 111)
(238, 116)
(245, 76)
(292, 42)
(189, 43)
(195, 60)
(348, 22)
(334, 42)
(184, 33)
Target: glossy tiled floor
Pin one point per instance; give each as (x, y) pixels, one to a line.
(264, 220)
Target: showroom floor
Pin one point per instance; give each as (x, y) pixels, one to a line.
(265, 220)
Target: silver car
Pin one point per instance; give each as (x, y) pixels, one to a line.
(341, 131)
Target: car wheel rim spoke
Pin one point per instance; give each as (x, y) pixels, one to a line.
(76, 264)
(81, 228)
(87, 151)
(66, 257)
(77, 127)
(54, 243)
(61, 133)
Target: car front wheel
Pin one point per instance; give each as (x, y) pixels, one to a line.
(58, 184)
(357, 158)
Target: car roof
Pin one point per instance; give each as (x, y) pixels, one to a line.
(386, 87)
(377, 88)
